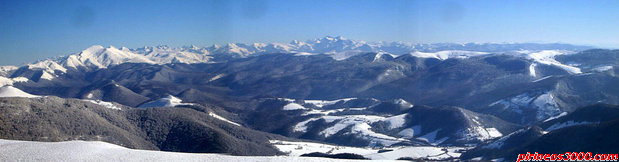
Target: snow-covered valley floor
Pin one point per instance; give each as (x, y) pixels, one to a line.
(416, 152)
(12, 150)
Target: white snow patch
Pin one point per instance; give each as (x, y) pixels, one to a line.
(300, 148)
(546, 106)
(396, 121)
(168, 101)
(501, 141)
(493, 132)
(548, 57)
(418, 152)
(286, 99)
(304, 54)
(321, 103)
(556, 117)
(218, 76)
(568, 124)
(532, 71)
(360, 126)
(47, 76)
(430, 152)
(515, 102)
(431, 138)
(380, 54)
(293, 106)
(108, 105)
(302, 126)
(444, 55)
(540, 79)
(407, 133)
(477, 132)
(223, 119)
(411, 132)
(363, 130)
(323, 112)
(346, 121)
(343, 55)
(603, 68)
(403, 103)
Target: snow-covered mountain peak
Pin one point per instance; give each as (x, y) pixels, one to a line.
(333, 38)
(403, 103)
(93, 49)
(100, 57)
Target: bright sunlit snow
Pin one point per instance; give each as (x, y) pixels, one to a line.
(293, 106)
(223, 119)
(11, 150)
(430, 152)
(444, 55)
(10, 91)
(321, 103)
(168, 101)
(108, 105)
(568, 124)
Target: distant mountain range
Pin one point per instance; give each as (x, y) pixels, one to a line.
(339, 48)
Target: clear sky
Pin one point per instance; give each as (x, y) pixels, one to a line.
(31, 30)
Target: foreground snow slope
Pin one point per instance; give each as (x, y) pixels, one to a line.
(11, 150)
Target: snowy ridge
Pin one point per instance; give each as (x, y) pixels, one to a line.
(223, 119)
(10, 91)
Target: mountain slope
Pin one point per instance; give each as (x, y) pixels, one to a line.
(168, 129)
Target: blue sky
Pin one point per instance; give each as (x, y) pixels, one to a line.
(31, 30)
